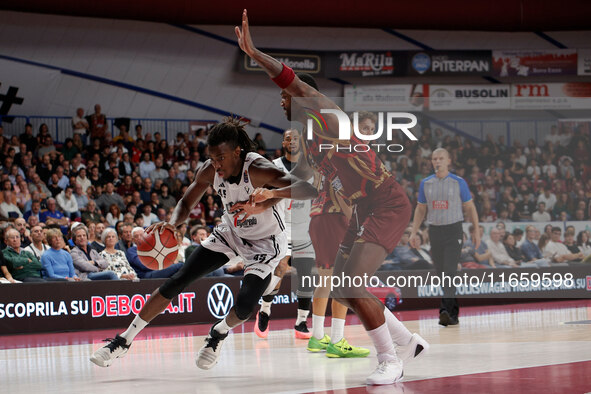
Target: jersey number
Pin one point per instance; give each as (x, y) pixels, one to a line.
(260, 258)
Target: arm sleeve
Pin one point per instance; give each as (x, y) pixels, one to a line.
(79, 260)
(71, 266)
(101, 261)
(35, 262)
(46, 262)
(15, 260)
(464, 191)
(422, 199)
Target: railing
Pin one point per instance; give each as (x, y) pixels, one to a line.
(60, 127)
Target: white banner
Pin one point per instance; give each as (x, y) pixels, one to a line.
(384, 98)
(29, 90)
(469, 97)
(572, 95)
(584, 62)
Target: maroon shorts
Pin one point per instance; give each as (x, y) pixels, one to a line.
(379, 218)
(327, 232)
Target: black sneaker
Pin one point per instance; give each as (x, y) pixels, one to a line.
(301, 331)
(261, 326)
(453, 321)
(210, 352)
(116, 348)
(444, 318)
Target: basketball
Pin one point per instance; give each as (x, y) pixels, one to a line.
(158, 251)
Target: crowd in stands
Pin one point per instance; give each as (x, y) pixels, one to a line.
(78, 206)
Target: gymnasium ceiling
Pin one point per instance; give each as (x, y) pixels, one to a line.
(488, 15)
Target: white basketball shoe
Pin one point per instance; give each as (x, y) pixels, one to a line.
(209, 354)
(387, 372)
(116, 348)
(415, 349)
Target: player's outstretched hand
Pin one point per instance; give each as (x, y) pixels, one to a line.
(260, 194)
(160, 226)
(246, 208)
(244, 38)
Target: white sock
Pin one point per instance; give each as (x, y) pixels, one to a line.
(302, 316)
(222, 327)
(383, 343)
(134, 328)
(317, 326)
(337, 329)
(399, 333)
(266, 307)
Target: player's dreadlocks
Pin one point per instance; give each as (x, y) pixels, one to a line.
(231, 131)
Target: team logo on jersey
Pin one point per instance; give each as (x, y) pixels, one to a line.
(220, 300)
(245, 223)
(245, 176)
(361, 230)
(247, 189)
(439, 204)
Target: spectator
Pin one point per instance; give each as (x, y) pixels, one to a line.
(98, 234)
(541, 215)
(520, 258)
(158, 172)
(499, 253)
(166, 200)
(4, 266)
(98, 124)
(52, 215)
(108, 198)
(548, 198)
(28, 138)
(125, 241)
(46, 146)
(140, 269)
(57, 262)
(67, 202)
(259, 142)
(37, 247)
(35, 210)
(148, 216)
(80, 124)
(24, 266)
(556, 251)
(82, 180)
(482, 255)
(8, 208)
(81, 197)
(114, 215)
(88, 262)
(146, 192)
(115, 257)
(146, 166)
(583, 243)
(91, 213)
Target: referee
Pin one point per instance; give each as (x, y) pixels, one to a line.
(443, 197)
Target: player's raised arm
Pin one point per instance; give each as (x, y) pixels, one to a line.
(284, 76)
(203, 179)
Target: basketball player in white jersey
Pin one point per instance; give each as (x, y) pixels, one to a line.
(256, 233)
(300, 250)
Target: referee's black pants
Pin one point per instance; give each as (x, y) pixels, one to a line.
(446, 248)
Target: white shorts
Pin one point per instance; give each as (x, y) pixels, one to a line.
(260, 257)
(303, 249)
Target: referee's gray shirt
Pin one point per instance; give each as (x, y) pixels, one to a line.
(444, 198)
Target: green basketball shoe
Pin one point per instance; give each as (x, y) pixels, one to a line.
(342, 349)
(318, 345)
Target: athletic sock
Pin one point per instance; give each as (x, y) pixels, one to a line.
(317, 326)
(302, 316)
(134, 328)
(383, 343)
(399, 333)
(222, 327)
(337, 329)
(266, 307)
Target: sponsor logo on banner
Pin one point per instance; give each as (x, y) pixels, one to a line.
(384, 97)
(299, 62)
(588, 283)
(362, 64)
(574, 95)
(584, 62)
(526, 63)
(219, 300)
(450, 63)
(469, 97)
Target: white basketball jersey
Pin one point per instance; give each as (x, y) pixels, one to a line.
(268, 223)
(297, 212)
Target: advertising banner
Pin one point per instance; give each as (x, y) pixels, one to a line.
(584, 62)
(364, 64)
(572, 95)
(526, 63)
(301, 61)
(449, 63)
(469, 97)
(385, 97)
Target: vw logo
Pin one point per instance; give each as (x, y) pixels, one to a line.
(219, 300)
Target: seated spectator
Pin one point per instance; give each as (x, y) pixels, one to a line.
(556, 251)
(541, 215)
(98, 124)
(53, 216)
(46, 146)
(82, 180)
(8, 208)
(109, 197)
(146, 192)
(4, 269)
(37, 247)
(404, 258)
(499, 253)
(98, 234)
(81, 197)
(482, 255)
(517, 254)
(125, 240)
(35, 210)
(67, 202)
(146, 166)
(21, 226)
(37, 185)
(467, 259)
(92, 213)
(23, 265)
(158, 172)
(114, 215)
(53, 185)
(148, 216)
(88, 262)
(140, 269)
(583, 243)
(116, 258)
(166, 200)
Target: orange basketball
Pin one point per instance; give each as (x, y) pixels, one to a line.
(158, 251)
